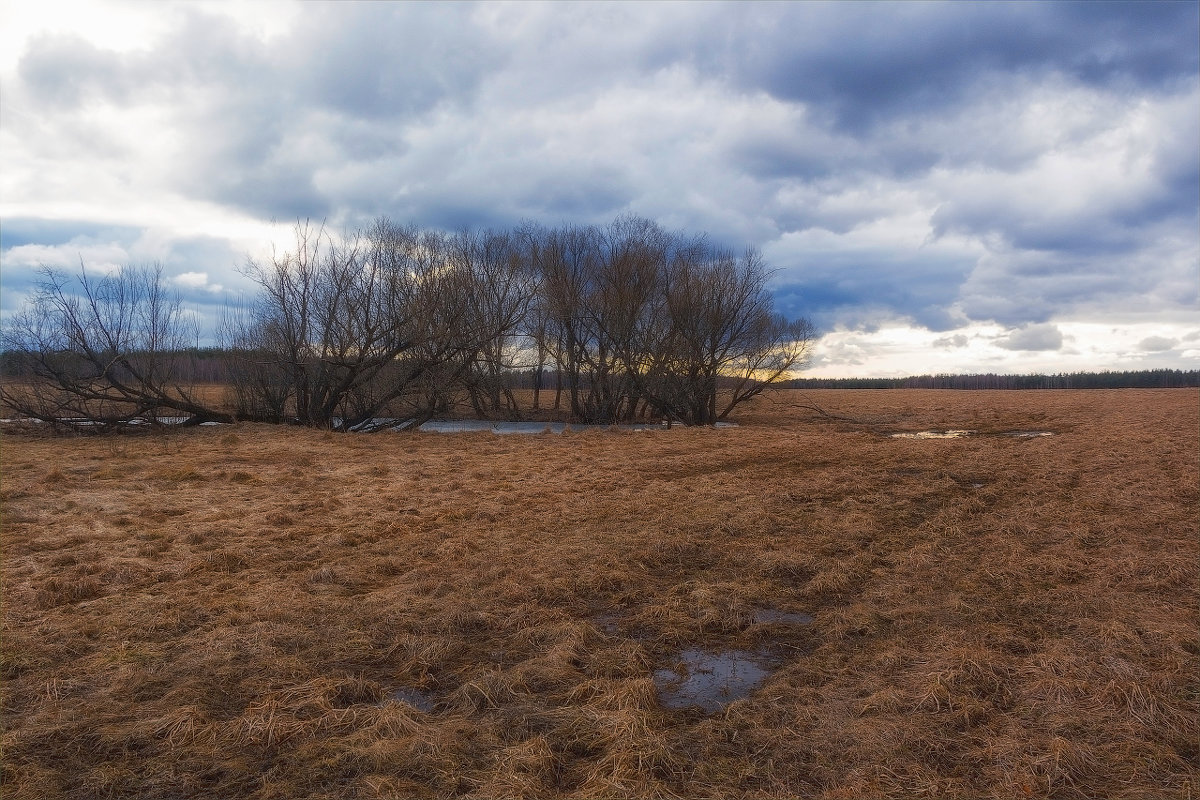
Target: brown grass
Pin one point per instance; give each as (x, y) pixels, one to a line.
(231, 615)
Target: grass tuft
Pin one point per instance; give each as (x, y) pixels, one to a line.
(59, 590)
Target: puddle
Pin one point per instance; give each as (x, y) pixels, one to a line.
(960, 434)
(433, 426)
(417, 698)
(932, 435)
(83, 422)
(710, 681)
(476, 425)
(773, 616)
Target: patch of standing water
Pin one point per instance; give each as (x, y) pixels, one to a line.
(954, 434)
(476, 425)
(417, 698)
(81, 422)
(710, 681)
(932, 435)
(433, 426)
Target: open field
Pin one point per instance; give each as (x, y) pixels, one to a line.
(254, 611)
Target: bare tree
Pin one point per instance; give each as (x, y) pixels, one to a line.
(599, 298)
(642, 321)
(723, 343)
(499, 292)
(391, 320)
(562, 259)
(104, 351)
(333, 319)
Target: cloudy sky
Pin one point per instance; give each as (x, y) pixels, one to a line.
(943, 187)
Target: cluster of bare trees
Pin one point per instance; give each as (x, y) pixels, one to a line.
(351, 332)
(344, 331)
(639, 321)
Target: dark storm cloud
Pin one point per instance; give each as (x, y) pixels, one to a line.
(603, 195)
(1031, 286)
(864, 63)
(851, 289)
(17, 231)
(381, 60)
(452, 212)
(276, 186)
(1147, 43)
(1088, 231)
(769, 154)
(896, 91)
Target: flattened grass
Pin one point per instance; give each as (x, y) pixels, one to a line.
(240, 612)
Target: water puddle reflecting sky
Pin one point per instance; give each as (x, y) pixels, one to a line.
(710, 680)
(932, 435)
(958, 434)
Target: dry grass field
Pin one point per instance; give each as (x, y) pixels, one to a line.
(265, 612)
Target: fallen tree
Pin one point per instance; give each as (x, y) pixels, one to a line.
(102, 352)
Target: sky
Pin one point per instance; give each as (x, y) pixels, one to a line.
(940, 188)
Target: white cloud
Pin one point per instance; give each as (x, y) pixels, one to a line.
(1157, 344)
(197, 281)
(1033, 337)
(95, 257)
(957, 340)
(898, 351)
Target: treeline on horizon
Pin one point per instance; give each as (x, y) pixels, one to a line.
(210, 365)
(1125, 379)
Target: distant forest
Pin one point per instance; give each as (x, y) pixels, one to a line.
(210, 365)
(1137, 379)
